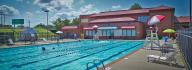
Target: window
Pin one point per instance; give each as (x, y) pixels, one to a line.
(89, 33)
(117, 32)
(104, 32)
(124, 32)
(133, 32)
(84, 20)
(129, 32)
(143, 18)
(108, 33)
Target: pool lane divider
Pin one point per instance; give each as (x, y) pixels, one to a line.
(103, 60)
(49, 68)
(20, 65)
(39, 45)
(36, 50)
(66, 49)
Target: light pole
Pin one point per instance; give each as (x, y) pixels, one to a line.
(1, 15)
(29, 23)
(190, 10)
(47, 12)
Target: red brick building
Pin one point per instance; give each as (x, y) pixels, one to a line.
(182, 22)
(123, 24)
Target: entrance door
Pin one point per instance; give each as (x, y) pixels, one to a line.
(111, 34)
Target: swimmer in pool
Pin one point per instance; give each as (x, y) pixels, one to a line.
(53, 48)
(43, 48)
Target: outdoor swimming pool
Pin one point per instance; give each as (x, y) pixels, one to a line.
(66, 56)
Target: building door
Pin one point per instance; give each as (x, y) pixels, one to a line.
(111, 34)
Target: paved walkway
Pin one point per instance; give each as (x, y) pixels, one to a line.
(138, 61)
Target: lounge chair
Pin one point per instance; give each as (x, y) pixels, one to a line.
(167, 47)
(10, 41)
(45, 40)
(169, 57)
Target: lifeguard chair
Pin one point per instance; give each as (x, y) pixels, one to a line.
(152, 38)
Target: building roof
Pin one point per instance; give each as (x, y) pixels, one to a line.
(127, 27)
(121, 12)
(88, 28)
(182, 19)
(122, 19)
(70, 27)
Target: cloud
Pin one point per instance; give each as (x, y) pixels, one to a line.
(54, 5)
(29, 14)
(19, 0)
(81, 1)
(43, 1)
(8, 10)
(87, 9)
(116, 6)
(24, 1)
(62, 15)
(38, 12)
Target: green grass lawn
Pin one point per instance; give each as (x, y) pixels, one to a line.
(42, 33)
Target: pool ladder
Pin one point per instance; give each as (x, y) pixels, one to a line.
(94, 63)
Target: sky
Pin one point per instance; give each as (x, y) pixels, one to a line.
(32, 9)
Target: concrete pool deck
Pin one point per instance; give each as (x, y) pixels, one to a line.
(138, 61)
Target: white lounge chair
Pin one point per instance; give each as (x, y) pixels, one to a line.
(44, 40)
(10, 41)
(169, 57)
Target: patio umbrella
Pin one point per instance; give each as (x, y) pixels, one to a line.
(95, 26)
(59, 32)
(156, 19)
(169, 31)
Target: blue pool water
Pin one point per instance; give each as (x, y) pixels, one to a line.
(66, 56)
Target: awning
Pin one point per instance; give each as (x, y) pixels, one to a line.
(107, 28)
(127, 27)
(70, 27)
(88, 28)
(108, 20)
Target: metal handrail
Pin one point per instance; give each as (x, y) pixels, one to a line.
(99, 61)
(95, 64)
(91, 63)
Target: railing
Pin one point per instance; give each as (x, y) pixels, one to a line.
(96, 64)
(184, 40)
(18, 36)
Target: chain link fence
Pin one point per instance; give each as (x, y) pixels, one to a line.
(184, 40)
(16, 37)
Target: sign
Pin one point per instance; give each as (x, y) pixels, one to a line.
(17, 21)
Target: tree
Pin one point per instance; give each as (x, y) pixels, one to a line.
(66, 22)
(20, 26)
(40, 26)
(75, 21)
(58, 24)
(135, 6)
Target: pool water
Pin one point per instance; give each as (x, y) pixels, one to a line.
(66, 56)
